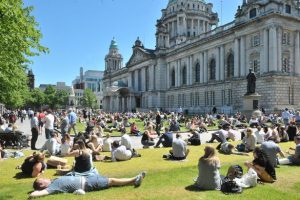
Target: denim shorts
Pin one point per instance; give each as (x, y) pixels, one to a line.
(96, 182)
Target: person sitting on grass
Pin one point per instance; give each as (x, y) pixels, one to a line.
(194, 139)
(33, 165)
(262, 166)
(66, 144)
(208, 167)
(227, 148)
(83, 157)
(165, 139)
(119, 152)
(174, 125)
(52, 145)
(107, 143)
(221, 135)
(179, 149)
(249, 141)
(294, 158)
(134, 130)
(94, 145)
(147, 139)
(81, 184)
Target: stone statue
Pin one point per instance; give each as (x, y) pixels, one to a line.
(251, 84)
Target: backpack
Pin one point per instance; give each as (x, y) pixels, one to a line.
(230, 186)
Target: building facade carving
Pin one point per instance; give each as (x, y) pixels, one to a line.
(198, 65)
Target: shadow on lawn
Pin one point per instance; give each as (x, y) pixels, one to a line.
(193, 188)
(21, 175)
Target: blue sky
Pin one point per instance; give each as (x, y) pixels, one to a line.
(78, 32)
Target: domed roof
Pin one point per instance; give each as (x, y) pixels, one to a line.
(113, 44)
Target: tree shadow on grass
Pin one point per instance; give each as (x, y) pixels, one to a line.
(193, 188)
(21, 175)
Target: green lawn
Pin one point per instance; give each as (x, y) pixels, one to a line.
(140, 124)
(164, 180)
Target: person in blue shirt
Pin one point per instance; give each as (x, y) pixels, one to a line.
(81, 184)
(72, 121)
(165, 139)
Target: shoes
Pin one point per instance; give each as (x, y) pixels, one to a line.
(166, 156)
(79, 192)
(139, 179)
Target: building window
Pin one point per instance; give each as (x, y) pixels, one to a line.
(184, 75)
(206, 99)
(255, 40)
(197, 73)
(286, 38)
(255, 66)
(285, 64)
(212, 70)
(230, 66)
(212, 98)
(288, 9)
(252, 13)
(191, 99)
(173, 78)
(223, 98)
(229, 99)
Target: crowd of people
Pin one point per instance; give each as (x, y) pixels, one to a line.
(260, 135)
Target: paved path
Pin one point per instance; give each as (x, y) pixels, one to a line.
(136, 141)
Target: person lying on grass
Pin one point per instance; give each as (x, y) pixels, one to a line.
(33, 165)
(81, 184)
(227, 148)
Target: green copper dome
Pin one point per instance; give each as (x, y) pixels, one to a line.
(113, 44)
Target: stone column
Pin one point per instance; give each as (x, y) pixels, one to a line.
(177, 74)
(136, 80)
(217, 63)
(201, 62)
(143, 74)
(205, 67)
(188, 65)
(273, 57)
(151, 80)
(129, 80)
(191, 70)
(279, 49)
(297, 52)
(243, 57)
(222, 65)
(265, 61)
(168, 75)
(236, 58)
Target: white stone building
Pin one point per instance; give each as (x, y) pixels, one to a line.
(197, 65)
(91, 79)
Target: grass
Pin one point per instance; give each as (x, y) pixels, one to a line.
(140, 124)
(165, 179)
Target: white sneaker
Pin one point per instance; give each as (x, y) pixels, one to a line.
(79, 192)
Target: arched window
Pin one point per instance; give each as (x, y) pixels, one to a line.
(173, 78)
(184, 75)
(212, 69)
(197, 73)
(230, 66)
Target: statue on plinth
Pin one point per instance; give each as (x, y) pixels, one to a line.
(251, 83)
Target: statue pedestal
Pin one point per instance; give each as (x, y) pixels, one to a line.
(250, 103)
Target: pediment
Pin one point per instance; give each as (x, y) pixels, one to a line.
(138, 56)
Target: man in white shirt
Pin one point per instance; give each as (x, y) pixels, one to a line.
(120, 153)
(126, 141)
(286, 116)
(49, 124)
(260, 135)
(52, 145)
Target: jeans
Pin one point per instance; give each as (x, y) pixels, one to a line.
(48, 133)
(72, 126)
(34, 138)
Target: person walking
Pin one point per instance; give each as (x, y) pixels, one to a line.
(34, 130)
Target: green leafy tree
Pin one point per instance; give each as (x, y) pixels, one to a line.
(19, 40)
(62, 98)
(50, 97)
(89, 99)
(36, 99)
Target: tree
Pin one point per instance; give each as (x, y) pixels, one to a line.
(88, 99)
(19, 40)
(62, 98)
(50, 98)
(36, 99)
